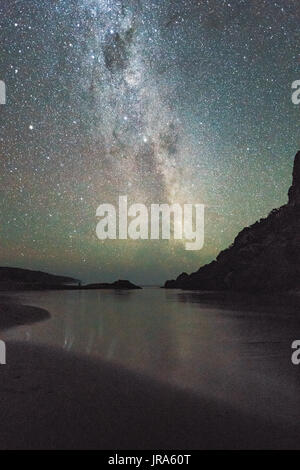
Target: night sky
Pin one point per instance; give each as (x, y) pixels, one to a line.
(163, 101)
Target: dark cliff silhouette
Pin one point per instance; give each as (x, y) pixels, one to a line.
(264, 256)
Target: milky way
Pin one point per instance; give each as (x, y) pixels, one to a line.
(163, 101)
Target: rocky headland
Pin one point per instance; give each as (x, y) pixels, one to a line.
(263, 257)
(26, 279)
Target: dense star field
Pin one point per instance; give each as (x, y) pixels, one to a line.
(164, 101)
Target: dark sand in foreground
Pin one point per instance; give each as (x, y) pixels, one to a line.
(51, 399)
(55, 400)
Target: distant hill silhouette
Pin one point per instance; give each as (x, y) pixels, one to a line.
(18, 278)
(264, 256)
(26, 279)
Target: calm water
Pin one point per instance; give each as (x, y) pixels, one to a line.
(238, 352)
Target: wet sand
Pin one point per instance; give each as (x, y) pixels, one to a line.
(56, 400)
(13, 314)
(53, 399)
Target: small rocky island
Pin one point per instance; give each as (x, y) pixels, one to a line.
(120, 284)
(263, 257)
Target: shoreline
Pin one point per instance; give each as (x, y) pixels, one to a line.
(13, 314)
(51, 399)
(54, 399)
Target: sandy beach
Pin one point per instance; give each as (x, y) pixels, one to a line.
(52, 399)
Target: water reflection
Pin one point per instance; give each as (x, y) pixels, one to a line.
(234, 348)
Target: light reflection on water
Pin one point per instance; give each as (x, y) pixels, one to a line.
(237, 351)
